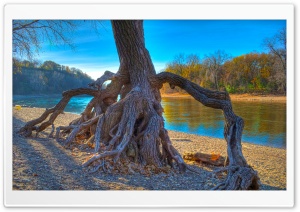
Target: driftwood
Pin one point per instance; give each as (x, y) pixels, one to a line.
(212, 159)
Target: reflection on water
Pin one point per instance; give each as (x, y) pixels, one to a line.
(265, 123)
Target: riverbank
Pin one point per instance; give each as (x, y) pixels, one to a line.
(44, 164)
(238, 97)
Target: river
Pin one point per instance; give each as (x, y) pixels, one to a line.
(265, 122)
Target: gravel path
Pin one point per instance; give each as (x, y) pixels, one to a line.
(43, 164)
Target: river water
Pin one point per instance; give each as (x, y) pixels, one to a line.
(265, 122)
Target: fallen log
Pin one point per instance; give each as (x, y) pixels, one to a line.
(212, 159)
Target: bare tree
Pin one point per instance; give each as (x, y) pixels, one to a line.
(129, 133)
(277, 46)
(213, 64)
(178, 65)
(29, 35)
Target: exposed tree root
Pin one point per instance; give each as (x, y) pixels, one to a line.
(95, 107)
(55, 111)
(136, 133)
(239, 178)
(128, 135)
(240, 174)
(76, 129)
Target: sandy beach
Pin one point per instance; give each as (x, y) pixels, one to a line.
(43, 164)
(237, 97)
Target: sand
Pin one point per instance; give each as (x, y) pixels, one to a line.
(44, 164)
(238, 97)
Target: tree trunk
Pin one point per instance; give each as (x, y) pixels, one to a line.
(216, 81)
(129, 135)
(144, 103)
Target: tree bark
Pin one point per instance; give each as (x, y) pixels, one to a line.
(135, 60)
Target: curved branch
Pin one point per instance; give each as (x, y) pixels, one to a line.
(58, 109)
(99, 82)
(24, 25)
(232, 131)
(192, 88)
(79, 128)
(80, 91)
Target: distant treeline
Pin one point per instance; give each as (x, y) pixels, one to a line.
(46, 78)
(249, 73)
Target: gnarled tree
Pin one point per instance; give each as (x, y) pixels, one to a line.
(130, 130)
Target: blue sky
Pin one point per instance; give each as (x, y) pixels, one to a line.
(165, 39)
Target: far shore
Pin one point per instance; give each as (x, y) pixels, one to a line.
(233, 97)
(238, 97)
